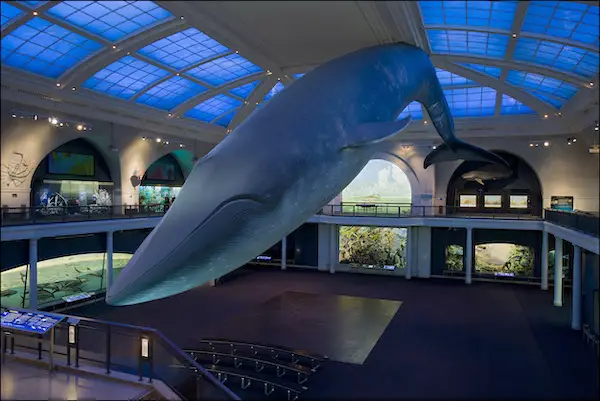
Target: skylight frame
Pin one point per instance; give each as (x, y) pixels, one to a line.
(471, 102)
(10, 14)
(470, 14)
(464, 42)
(489, 70)
(244, 91)
(224, 70)
(511, 106)
(449, 79)
(278, 87)
(169, 94)
(541, 83)
(213, 108)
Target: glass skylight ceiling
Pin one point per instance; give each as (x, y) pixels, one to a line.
(226, 119)
(489, 14)
(183, 49)
(563, 19)
(245, 90)
(111, 20)
(224, 70)
(535, 82)
(169, 94)
(46, 49)
(33, 4)
(414, 109)
(468, 42)
(448, 79)
(471, 102)
(9, 12)
(212, 108)
(484, 69)
(124, 78)
(275, 90)
(512, 106)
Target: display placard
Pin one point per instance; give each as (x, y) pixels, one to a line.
(32, 322)
(468, 200)
(561, 203)
(519, 201)
(492, 201)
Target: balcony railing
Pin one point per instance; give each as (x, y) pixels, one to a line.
(585, 222)
(56, 214)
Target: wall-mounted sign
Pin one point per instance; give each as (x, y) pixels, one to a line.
(468, 201)
(561, 203)
(519, 201)
(492, 201)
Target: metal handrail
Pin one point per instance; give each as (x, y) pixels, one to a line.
(173, 349)
(587, 223)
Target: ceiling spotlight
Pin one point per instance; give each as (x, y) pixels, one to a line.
(546, 143)
(545, 115)
(73, 88)
(143, 138)
(269, 72)
(559, 113)
(537, 145)
(61, 124)
(177, 74)
(181, 145)
(591, 84)
(236, 52)
(170, 114)
(434, 147)
(86, 128)
(569, 143)
(531, 145)
(35, 13)
(514, 35)
(228, 131)
(158, 140)
(246, 102)
(574, 140)
(114, 47)
(35, 117)
(425, 122)
(53, 120)
(181, 17)
(166, 142)
(80, 127)
(14, 116)
(57, 84)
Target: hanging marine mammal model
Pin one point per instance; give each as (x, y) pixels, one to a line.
(283, 163)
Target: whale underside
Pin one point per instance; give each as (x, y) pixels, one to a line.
(284, 163)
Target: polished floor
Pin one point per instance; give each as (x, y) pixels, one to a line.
(447, 340)
(24, 381)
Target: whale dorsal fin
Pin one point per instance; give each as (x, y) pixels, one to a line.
(373, 133)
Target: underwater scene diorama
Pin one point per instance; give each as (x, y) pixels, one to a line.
(373, 247)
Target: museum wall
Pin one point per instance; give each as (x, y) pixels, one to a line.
(563, 170)
(25, 143)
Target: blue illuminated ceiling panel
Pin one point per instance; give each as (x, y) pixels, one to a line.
(245, 90)
(448, 79)
(484, 69)
(558, 56)
(471, 102)
(554, 101)
(224, 70)
(43, 48)
(298, 76)
(513, 106)
(183, 49)
(541, 83)
(488, 14)
(168, 94)
(414, 109)
(9, 13)
(226, 119)
(212, 108)
(468, 42)
(32, 4)
(275, 90)
(111, 20)
(125, 77)
(564, 19)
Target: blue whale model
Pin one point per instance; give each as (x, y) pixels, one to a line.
(283, 163)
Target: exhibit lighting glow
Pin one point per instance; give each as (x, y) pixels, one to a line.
(158, 140)
(53, 120)
(546, 143)
(80, 127)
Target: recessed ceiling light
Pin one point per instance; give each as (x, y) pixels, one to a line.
(114, 47)
(170, 114)
(80, 127)
(425, 122)
(569, 143)
(35, 13)
(57, 84)
(166, 142)
(546, 143)
(574, 140)
(143, 138)
(181, 145)
(14, 116)
(434, 147)
(591, 84)
(514, 35)
(181, 17)
(73, 88)
(531, 145)
(545, 115)
(158, 140)
(128, 53)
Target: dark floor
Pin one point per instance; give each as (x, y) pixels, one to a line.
(447, 340)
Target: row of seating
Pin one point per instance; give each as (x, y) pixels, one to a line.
(270, 368)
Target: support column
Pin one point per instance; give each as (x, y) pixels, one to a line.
(409, 253)
(33, 274)
(558, 274)
(469, 255)
(284, 253)
(109, 259)
(544, 272)
(576, 313)
(333, 256)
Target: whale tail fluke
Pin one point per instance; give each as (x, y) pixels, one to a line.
(462, 151)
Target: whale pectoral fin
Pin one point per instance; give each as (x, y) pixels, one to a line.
(373, 133)
(462, 151)
(480, 181)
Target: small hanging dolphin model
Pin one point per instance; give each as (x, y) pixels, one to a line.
(283, 163)
(488, 173)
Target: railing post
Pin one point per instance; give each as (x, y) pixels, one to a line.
(107, 350)
(77, 346)
(39, 346)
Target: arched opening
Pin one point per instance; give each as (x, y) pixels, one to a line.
(74, 178)
(520, 194)
(161, 183)
(380, 183)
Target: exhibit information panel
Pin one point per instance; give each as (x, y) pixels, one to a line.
(32, 322)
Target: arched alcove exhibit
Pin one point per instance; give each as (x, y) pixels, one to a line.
(380, 182)
(163, 179)
(73, 178)
(519, 194)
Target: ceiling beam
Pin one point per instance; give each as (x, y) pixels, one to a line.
(192, 102)
(534, 103)
(28, 16)
(257, 95)
(80, 73)
(520, 13)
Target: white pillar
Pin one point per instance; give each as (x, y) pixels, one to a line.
(469, 256)
(409, 252)
(283, 253)
(576, 313)
(109, 259)
(33, 276)
(544, 272)
(558, 274)
(333, 257)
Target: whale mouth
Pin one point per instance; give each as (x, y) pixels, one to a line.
(123, 296)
